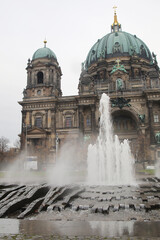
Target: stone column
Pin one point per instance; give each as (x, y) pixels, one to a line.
(23, 129)
(49, 118)
(93, 119)
(30, 118)
(53, 120)
(28, 78)
(34, 78)
(47, 76)
(33, 122)
(150, 118)
(46, 118)
(81, 119)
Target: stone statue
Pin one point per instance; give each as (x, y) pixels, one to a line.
(154, 57)
(119, 84)
(142, 117)
(24, 93)
(117, 47)
(82, 66)
(133, 49)
(157, 137)
(143, 51)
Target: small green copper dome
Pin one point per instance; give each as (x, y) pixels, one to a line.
(117, 44)
(44, 53)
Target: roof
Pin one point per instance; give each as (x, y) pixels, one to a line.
(118, 44)
(44, 53)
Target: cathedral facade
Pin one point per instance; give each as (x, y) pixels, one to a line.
(120, 65)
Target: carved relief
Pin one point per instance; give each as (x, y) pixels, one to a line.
(143, 51)
(116, 47)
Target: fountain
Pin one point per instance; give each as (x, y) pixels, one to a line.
(109, 161)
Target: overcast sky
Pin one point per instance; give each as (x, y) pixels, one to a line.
(71, 27)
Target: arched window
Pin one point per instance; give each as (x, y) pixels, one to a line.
(68, 121)
(124, 123)
(40, 77)
(38, 122)
(88, 121)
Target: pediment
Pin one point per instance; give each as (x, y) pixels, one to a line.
(119, 73)
(36, 131)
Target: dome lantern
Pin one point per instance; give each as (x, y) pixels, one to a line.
(116, 26)
(45, 42)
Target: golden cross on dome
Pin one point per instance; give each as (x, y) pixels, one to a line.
(118, 61)
(115, 9)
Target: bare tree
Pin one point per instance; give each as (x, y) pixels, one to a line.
(3, 144)
(17, 144)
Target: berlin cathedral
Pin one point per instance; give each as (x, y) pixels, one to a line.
(120, 65)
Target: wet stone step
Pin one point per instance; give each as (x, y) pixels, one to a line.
(106, 209)
(57, 206)
(28, 189)
(126, 206)
(31, 208)
(144, 199)
(116, 208)
(147, 206)
(13, 206)
(155, 205)
(84, 207)
(155, 199)
(93, 198)
(137, 207)
(75, 207)
(158, 179)
(9, 196)
(122, 206)
(4, 194)
(100, 208)
(118, 198)
(57, 195)
(19, 202)
(142, 206)
(134, 197)
(72, 195)
(14, 198)
(94, 209)
(85, 195)
(5, 185)
(51, 193)
(150, 197)
(100, 199)
(109, 198)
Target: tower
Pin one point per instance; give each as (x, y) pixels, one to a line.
(43, 75)
(40, 95)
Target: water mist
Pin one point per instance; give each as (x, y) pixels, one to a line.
(109, 161)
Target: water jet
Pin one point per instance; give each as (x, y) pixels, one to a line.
(109, 161)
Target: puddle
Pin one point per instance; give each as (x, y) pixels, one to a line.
(9, 226)
(80, 228)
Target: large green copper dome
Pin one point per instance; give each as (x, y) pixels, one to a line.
(44, 53)
(117, 44)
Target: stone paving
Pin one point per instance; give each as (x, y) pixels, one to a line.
(51, 237)
(21, 201)
(81, 203)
